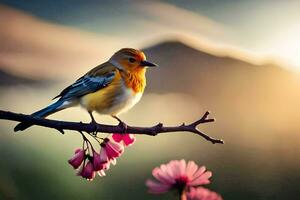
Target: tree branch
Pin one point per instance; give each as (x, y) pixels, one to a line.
(90, 128)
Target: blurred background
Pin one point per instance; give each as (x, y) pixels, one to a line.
(238, 59)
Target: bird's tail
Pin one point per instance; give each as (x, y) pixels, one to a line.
(57, 106)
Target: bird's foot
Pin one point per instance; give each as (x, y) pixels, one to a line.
(124, 126)
(94, 125)
(121, 123)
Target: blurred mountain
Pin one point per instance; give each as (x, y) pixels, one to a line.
(8, 79)
(242, 92)
(183, 63)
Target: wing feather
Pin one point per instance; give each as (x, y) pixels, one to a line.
(96, 79)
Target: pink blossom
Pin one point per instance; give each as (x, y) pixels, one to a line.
(128, 139)
(113, 149)
(179, 175)
(104, 160)
(88, 171)
(98, 164)
(201, 193)
(78, 158)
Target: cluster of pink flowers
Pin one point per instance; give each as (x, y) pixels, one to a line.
(93, 163)
(183, 177)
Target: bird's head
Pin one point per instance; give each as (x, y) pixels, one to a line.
(130, 60)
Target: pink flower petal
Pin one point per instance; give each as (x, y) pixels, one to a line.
(77, 159)
(101, 173)
(156, 188)
(113, 149)
(168, 173)
(201, 193)
(200, 171)
(77, 150)
(162, 177)
(88, 171)
(168, 170)
(97, 162)
(191, 169)
(182, 167)
(117, 137)
(113, 161)
(202, 179)
(127, 139)
(176, 168)
(104, 159)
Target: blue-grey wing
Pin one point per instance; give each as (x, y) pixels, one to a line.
(85, 85)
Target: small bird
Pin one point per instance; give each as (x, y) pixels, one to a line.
(110, 88)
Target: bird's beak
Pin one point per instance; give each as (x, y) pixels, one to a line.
(145, 63)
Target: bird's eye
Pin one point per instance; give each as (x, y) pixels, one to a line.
(132, 60)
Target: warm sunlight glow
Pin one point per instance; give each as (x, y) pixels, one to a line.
(286, 45)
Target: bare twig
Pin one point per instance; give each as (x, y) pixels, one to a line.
(90, 128)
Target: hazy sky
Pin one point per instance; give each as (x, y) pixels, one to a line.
(260, 26)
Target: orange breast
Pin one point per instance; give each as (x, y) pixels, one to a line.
(136, 80)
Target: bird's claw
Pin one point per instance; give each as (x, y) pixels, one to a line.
(94, 125)
(123, 125)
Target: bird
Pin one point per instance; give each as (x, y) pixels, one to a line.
(110, 88)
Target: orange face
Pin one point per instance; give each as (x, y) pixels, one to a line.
(131, 59)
